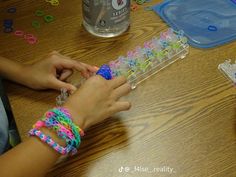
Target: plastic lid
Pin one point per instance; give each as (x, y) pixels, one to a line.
(207, 23)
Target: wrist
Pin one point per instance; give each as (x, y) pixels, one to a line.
(26, 75)
(78, 118)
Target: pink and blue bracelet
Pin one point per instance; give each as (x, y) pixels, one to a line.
(60, 121)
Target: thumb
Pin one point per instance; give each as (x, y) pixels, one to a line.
(58, 85)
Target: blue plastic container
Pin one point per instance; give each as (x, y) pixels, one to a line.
(206, 23)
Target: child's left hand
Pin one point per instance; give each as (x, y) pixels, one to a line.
(52, 71)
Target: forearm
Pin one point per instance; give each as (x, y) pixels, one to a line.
(30, 158)
(34, 157)
(11, 70)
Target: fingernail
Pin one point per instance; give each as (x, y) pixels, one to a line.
(95, 67)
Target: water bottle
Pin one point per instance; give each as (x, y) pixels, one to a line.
(106, 18)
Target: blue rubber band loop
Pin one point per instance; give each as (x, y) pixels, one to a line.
(105, 72)
(7, 23)
(212, 28)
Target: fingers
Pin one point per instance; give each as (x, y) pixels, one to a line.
(83, 68)
(65, 74)
(90, 68)
(121, 106)
(121, 91)
(65, 62)
(58, 85)
(117, 82)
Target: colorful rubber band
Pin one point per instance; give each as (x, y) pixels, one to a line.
(8, 23)
(53, 2)
(32, 40)
(105, 72)
(28, 36)
(60, 121)
(50, 142)
(36, 24)
(48, 18)
(212, 28)
(19, 33)
(39, 13)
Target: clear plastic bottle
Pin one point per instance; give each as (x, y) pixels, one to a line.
(106, 18)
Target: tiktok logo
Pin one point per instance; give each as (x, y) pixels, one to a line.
(124, 169)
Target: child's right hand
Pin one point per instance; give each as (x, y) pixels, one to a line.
(97, 100)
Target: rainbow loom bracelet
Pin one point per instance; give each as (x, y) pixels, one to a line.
(59, 120)
(50, 142)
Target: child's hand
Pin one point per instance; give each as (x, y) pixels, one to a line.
(97, 100)
(52, 71)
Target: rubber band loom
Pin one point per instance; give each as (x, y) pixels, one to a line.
(144, 61)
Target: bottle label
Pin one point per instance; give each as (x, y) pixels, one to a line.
(106, 13)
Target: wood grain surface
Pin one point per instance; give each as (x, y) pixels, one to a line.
(182, 118)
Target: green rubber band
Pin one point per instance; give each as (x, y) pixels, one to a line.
(55, 3)
(176, 45)
(36, 24)
(39, 13)
(48, 18)
(139, 2)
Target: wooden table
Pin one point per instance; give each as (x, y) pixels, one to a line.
(181, 118)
